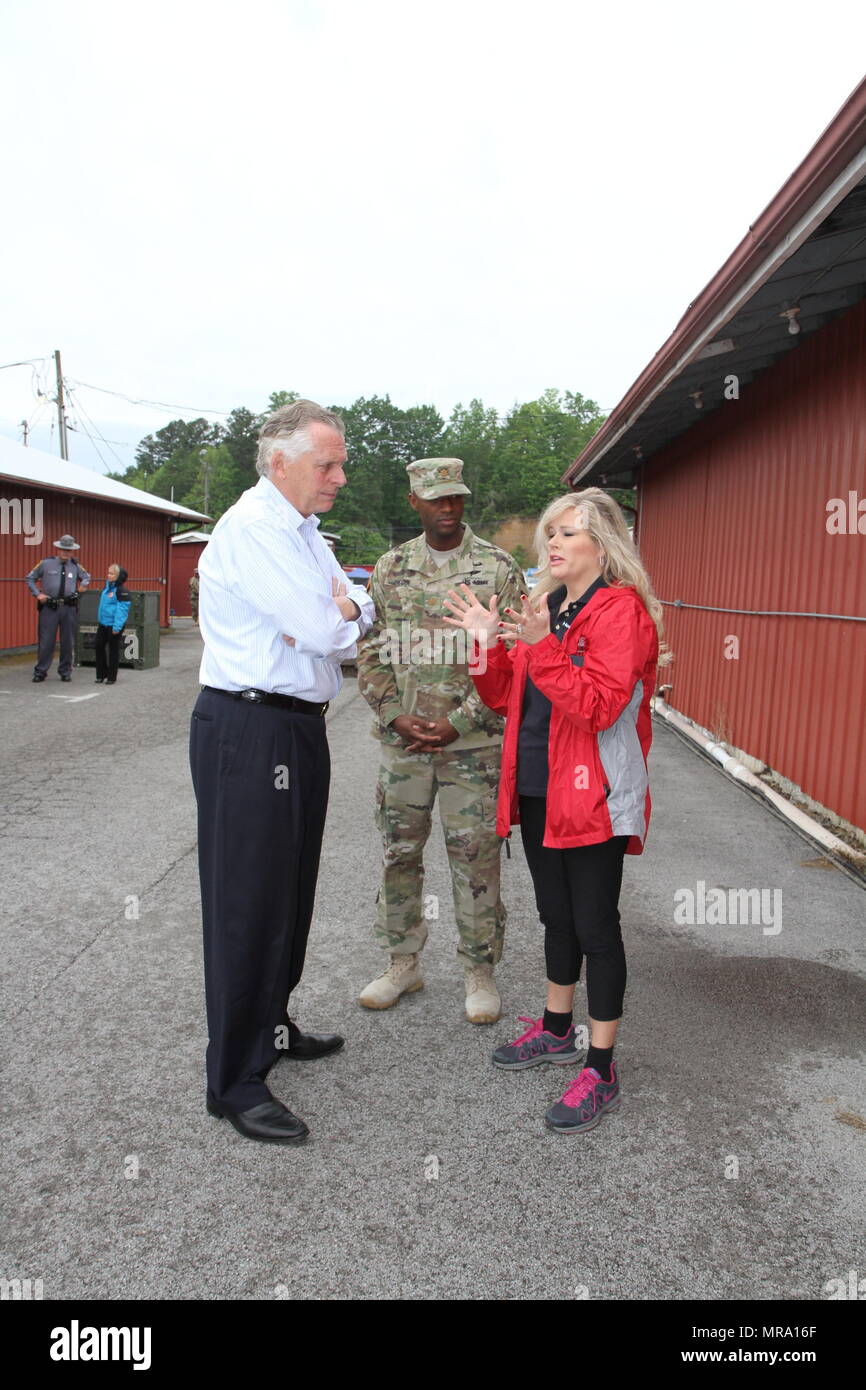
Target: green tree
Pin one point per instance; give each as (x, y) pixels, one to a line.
(225, 481)
(538, 442)
(359, 545)
(512, 466)
(380, 440)
(178, 436)
(241, 437)
(277, 399)
(177, 477)
(473, 434)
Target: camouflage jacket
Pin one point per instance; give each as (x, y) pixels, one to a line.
(411, 661)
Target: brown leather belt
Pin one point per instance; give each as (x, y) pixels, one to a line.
(264, 697)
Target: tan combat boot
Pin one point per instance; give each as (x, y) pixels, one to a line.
(403, 976)
(483, 1004)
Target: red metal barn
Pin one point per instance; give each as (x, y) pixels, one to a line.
(746, 439)
(185, 552)
(41, 497)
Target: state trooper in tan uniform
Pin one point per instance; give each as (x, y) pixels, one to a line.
(436, 736)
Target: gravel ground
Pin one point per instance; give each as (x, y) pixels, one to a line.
(733, 1169)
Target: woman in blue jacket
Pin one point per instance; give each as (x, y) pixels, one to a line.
(111, 619)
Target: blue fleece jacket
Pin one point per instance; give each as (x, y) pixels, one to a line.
(113, 612)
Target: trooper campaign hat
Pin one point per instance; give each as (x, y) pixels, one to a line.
(67, 543)
(430, 478)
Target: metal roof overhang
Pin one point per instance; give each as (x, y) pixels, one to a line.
(35, 468)
(807, 252)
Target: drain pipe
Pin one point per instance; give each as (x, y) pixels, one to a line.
(741, 773)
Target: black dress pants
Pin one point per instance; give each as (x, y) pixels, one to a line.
(577, 896)
(106, 647)
(261, 776)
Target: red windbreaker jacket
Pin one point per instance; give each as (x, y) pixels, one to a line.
(599, 681)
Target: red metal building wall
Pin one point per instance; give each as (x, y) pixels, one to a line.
(106, 532)
(184, 559)
(734, 515)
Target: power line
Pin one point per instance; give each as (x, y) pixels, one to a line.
(121, 443)
(79, 412)
(162, 405)
(75, 430)
(80, 424)
(28, 362)
(41, 405)
(37, 362)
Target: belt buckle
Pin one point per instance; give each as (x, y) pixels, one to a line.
(254, 696)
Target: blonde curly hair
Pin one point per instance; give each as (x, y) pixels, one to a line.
(602, 517)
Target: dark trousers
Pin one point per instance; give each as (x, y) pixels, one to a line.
(259, 843)
(49, 620)
(577, 895)
(107, 648)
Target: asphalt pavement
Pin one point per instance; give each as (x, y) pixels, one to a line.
(733, 1168)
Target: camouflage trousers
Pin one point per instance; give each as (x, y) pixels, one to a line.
(466, 782)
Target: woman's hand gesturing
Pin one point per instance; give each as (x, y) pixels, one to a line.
(472, 616)
(530, 625)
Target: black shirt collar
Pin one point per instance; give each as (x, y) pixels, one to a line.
(555, 598)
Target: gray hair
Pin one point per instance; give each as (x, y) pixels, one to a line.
(287, 432)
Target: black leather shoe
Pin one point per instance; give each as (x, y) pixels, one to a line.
(37, 679)
(306, 1047)
(270, 1122)
(66, 678)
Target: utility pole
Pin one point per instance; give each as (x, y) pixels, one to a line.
(26, 429)
(61, 418)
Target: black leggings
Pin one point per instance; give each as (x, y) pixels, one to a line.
(107, 650)
(577, 895)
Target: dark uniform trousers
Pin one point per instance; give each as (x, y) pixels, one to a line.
(64, 617)
(259, 843)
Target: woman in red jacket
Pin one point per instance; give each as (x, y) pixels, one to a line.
(575, 688)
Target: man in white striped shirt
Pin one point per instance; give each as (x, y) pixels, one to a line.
(277, 617)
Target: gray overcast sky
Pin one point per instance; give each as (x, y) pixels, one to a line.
(206, 202)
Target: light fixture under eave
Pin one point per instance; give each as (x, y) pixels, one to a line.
(792, 315)
(698, 398)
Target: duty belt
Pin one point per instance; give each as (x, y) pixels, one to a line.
(264, 697)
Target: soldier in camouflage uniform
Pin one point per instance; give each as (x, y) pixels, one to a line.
(193, 595)
(437, 736)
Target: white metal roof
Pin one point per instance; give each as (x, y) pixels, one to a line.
(45, 470)
(189, 536)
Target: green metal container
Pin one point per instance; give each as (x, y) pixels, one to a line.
(139, 647)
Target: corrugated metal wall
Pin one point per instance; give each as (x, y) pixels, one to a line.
(734, 515)
(106, 532)
(184, 559)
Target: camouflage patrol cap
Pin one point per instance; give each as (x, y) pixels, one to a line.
(429, 478)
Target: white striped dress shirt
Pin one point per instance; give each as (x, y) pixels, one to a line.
(267, 572)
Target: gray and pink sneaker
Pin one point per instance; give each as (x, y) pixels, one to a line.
(534, 1047)
(584, 1103)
